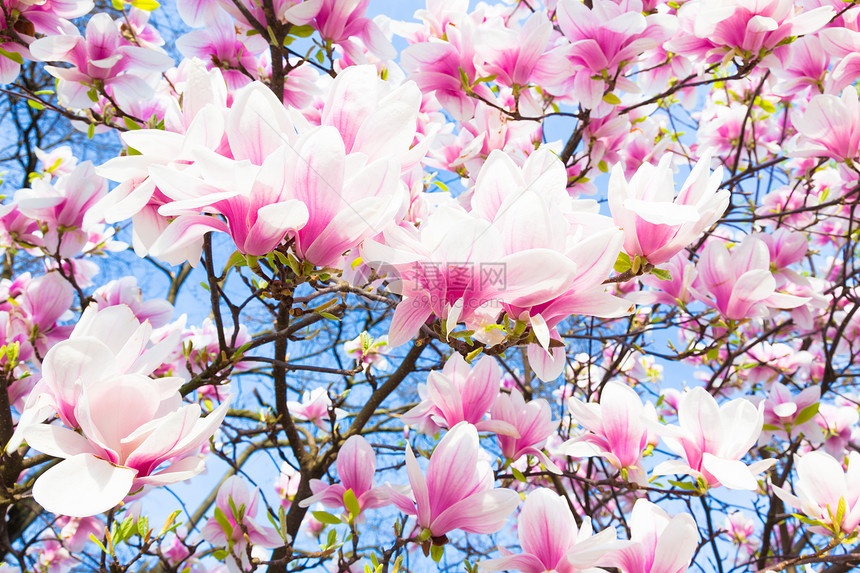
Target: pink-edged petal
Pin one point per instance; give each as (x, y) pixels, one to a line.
(525, 562)
(484, 512)
(409, 316)
(356, 463)
(419, 489)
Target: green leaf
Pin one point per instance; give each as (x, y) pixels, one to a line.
(170, 520)
(713, 354)
(117, 4)
(807, 414)
(35, 105)
(662, 274)
(142, 526)
(486, 79)
(601, 165)
(320, 56)
(224, 522)
(518, 475)
(98, 542)
(130, 123)
(325, 517)
(611, 98)
(351, 503)
(436, 552)
(328, 315)
(301, 31)
(623, 263)
(91, 130)
(331, 539)
(767, 106)
(147, 5)
(14, 56)
(220, 555)
(237, 259)
(125, 529)
(683, 485)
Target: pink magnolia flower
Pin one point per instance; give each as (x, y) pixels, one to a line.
(532, 421)
(338, 20)
(837, 423)
(712, 439)
(356, 464)
(57, 161)
(105, 345)
(829, 127)
(125, 291)
(101, 56)
(516, 56)
(459, 393)
(114, 456)
(61, 206)
(35, 306)
(436, 65)
(660, 543)
(287, 485)
(53, 557)
(709, 30)
(604, 38)
(234, 493)
(221, 44)
(675, 290)
(657, 225)
(75, 531)
(785, 414)
(551, 541)
(739, 283)
(368, 351)
(314, 408)
(457, 491)
(616, 428)
(741, 529)
(823, 488)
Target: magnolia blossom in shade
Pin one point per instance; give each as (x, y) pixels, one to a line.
(120, 450)
(660, 543)
(75, 532)
(826, 493)
(656, 223)
(830, 127)
(712, 439)
(356, 464)
(739, 283)
(786, 414)
(314, 408)
(551, 541)
(460, 393)
(457, 491)
(532, 421)
(616, 428)
(234, 489)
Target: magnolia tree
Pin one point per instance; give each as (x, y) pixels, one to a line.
(534, 286)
